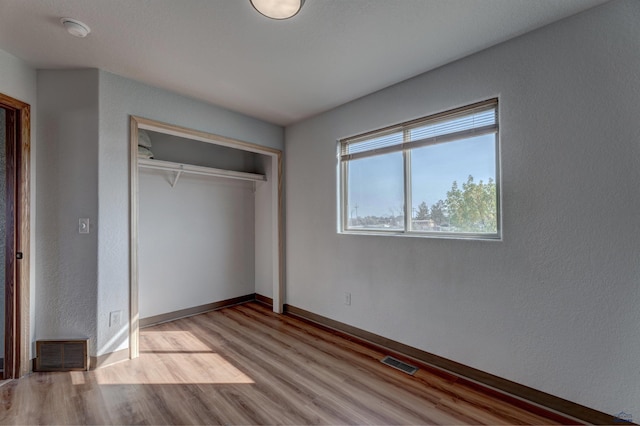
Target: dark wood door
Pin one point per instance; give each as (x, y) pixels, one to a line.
(16, 241)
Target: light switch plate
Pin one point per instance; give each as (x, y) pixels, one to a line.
(83, 225)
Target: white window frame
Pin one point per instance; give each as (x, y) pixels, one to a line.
(406, 147)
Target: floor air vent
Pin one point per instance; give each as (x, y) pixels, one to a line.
(61, 355)
(399, 365)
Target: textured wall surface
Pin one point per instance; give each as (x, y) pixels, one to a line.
(18, 80)
(553, 306)
(67, 267)
(195, 241)
(119, 98)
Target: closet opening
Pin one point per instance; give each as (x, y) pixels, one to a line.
(206, 227)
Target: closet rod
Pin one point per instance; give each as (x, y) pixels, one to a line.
(198, 170)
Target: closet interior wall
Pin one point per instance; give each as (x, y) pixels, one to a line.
(206, 239)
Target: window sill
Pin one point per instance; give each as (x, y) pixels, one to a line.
(428, 235)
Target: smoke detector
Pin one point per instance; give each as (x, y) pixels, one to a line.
(75, 27)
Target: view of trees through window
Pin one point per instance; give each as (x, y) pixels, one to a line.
(470, 207)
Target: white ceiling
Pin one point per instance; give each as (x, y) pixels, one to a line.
(224, 52)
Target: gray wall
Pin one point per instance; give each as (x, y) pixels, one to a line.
(18, 80)
(120, 97)
(67, 268)
(554, 306)
(195, 241)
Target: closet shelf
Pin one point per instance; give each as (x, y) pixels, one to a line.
(179, 168)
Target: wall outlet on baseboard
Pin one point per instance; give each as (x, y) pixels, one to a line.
(347, 298)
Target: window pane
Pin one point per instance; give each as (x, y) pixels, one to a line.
(453, 186)
(375, 194)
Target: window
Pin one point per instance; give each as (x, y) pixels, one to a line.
(435, 176)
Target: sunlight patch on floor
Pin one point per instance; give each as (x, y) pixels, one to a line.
(77, 377)
(170, 341)
(172, 357)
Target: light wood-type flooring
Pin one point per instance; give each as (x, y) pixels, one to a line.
(246, 365)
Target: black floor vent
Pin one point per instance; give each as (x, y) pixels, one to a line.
(402, 366)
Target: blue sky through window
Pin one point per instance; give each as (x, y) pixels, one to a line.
(376, 184)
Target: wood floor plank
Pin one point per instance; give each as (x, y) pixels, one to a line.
(247, 365)
(423, 384)
(332, 369)
(283, 385)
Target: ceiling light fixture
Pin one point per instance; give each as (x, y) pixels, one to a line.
(277, 9)
(75, 27)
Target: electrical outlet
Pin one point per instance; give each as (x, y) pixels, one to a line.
(114, 318)
(347, 299)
